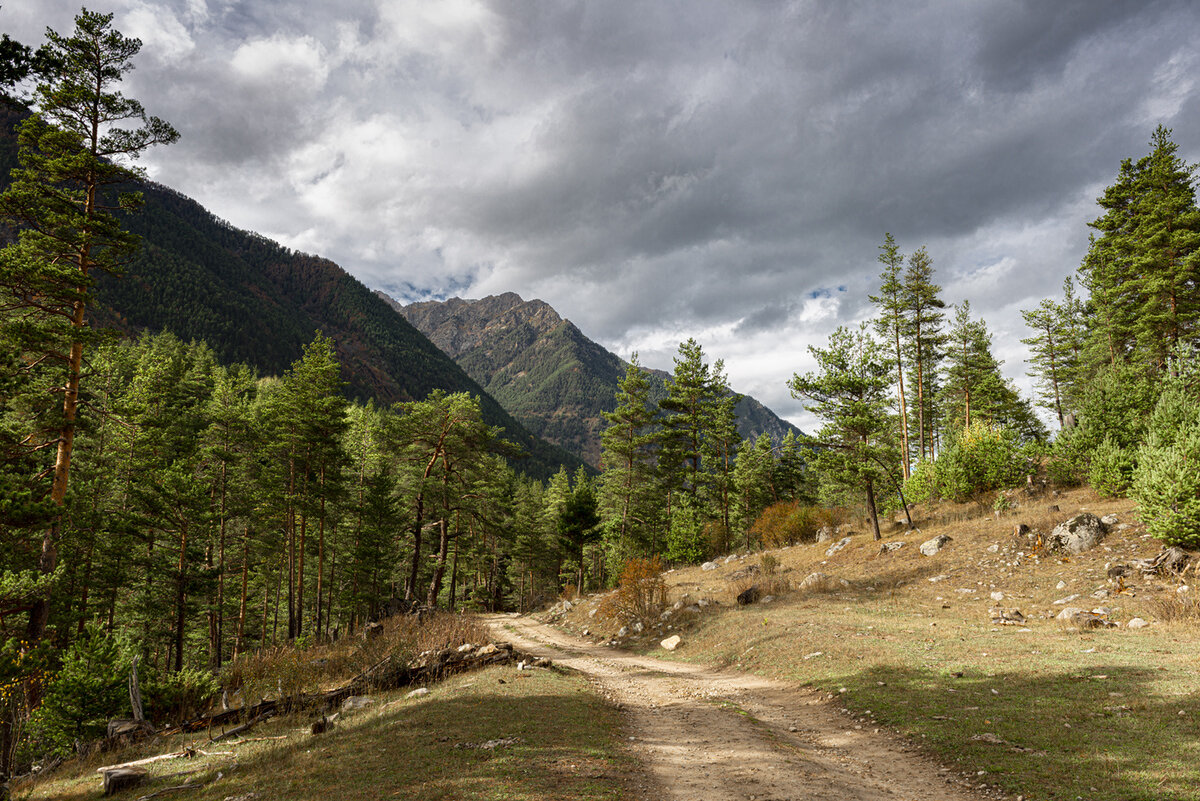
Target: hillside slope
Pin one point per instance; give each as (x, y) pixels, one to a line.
(254, 301)
(544, 370)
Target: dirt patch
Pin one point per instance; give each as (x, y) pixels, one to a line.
(719, 735)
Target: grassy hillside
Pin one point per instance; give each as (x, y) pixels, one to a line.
(905, 642)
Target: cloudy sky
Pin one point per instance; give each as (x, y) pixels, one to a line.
(660, 170)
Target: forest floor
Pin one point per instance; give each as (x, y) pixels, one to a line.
(894, 669)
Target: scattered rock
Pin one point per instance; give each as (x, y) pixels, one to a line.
(487, 650)
(1169, 561)
(1110, 520)
(1083, 618)
(839, 545)
(1136, 623)
(997, 596)
(1061, 585)
(987, 737)
(993, 548)
(815, 581)
(1006, 617)
(246, 797)
(357, 702)
(417, 693)
(1118, 571)
(733, 557)
(709, 566)
(623, 632)
(931, 547)
(1078, 534)
(888, 547)
(491, 745)
(672, 642)
(462, 649)
(1066, 600)
(824, 534)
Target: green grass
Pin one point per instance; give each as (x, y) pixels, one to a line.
(568, 746)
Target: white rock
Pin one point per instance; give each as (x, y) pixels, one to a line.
(1061, 585)
(417, 693)
(994, 548)
(1066, 600)
(624, 632)
(731, 558)
(1110, 520)
(997, 596)
(356, 702)
(839, 545)
(1136, 623)
(931, 547)
(672, 642)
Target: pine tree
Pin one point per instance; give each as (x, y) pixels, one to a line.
(923, 331)
(61, 200)
(850, 394)
(1144, 268)
(974, 387)
(1051, 352)
(891, 324)
(628, 459)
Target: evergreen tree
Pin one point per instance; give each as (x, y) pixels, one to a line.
(923, 319)
(850, 394)
(974, 387)
(892, 325)
(1144, 267)
(628, 459)
(60, 199)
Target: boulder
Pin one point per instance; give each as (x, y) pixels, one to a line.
(748, 596)
(888, 547)
(709, 566)
(1078, 534)
(824, 534)
(672, 642)
(356, 702)
(1136, 623)
(1083, 618)
(1006, 617)
(417, 693)
(837, 546)
(1110, 520)
(931, 547)
(815, 581)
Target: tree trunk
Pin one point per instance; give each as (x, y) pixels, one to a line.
(871, 511)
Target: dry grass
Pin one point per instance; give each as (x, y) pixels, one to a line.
(906, 642)
(641, 595)
(1180, 608)
(286, 672)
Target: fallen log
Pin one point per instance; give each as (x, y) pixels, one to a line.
(187, 752)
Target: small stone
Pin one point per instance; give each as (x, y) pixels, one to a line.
(709, 566)
(1136, 623)
(417, 693)
(1061, 585)
(997, 596)
(839, 545)
(995, 548)
(672, 642)
(1066, 600)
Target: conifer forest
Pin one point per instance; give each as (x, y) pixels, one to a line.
(160, 499)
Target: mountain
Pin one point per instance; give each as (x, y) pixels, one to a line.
(254, 301)
(544, 370)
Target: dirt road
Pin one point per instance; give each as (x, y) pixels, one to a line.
(716, 735)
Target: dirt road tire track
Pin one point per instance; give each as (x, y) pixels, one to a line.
(717, 735)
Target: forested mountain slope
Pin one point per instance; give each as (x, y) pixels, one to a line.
(255, 301)
(544, 370)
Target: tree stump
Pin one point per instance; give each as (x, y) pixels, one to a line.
(119, 779)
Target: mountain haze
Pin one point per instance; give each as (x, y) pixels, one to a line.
(544, 370)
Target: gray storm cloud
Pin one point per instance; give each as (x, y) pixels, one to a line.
(659, 170)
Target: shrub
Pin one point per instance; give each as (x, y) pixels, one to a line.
(686, 541)
(180, 696)
(641, 594)
(88, 690)
(921, 486)
(1069, 456)
(1166, 486)
(789, 522)
(980, 458)
(1110, 469)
